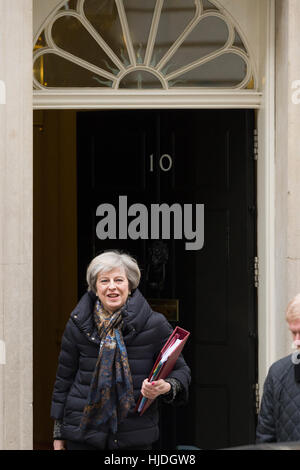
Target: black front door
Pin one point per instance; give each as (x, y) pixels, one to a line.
(141, 159)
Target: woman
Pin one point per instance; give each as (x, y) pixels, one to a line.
(108, 349)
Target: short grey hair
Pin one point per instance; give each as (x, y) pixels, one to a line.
(293, 309)
(111, 260)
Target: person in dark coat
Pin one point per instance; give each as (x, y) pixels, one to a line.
(279, 415)
(108, 349)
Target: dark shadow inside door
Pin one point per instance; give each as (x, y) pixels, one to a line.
(181, 158)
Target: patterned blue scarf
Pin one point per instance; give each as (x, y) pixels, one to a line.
(111, 390)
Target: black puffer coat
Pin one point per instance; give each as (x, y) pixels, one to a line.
(279, 416)
(144, 333)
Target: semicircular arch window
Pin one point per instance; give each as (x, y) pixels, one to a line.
(154, 44)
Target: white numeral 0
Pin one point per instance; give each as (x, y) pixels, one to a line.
(165, 155)
(162, 167)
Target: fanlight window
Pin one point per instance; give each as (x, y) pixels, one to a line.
(141, 44)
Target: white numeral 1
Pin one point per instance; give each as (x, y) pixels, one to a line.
(151, 162)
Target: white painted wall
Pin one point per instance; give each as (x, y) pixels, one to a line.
(287, 164)
(16, 225)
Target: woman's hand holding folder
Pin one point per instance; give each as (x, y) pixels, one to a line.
(163, 366)
(153, 389)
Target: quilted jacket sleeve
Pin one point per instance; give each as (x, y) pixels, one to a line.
(266, 428)
(66, 371)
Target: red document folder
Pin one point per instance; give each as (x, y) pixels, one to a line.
(166, 367)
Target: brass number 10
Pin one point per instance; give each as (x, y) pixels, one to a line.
(162, 162)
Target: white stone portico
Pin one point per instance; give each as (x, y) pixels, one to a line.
(256, 22)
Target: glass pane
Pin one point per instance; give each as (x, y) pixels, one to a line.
(54, 71)
(228, 70)
(209, 35)
(175, 16)
(70, 35)
(139, 17)
(69, 5)
(238, 42)
(250, 84)
(208, 5)
(104, 17)
(140, 79)
(41, 42)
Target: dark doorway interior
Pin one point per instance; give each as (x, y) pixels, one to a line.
(185, 157)
(54, 254)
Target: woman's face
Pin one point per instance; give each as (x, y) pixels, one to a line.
(112, 289)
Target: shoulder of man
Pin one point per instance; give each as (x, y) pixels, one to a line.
(280, 368)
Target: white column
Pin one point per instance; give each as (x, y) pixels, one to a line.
(16, 224)
(287, 165)
(265, 191)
